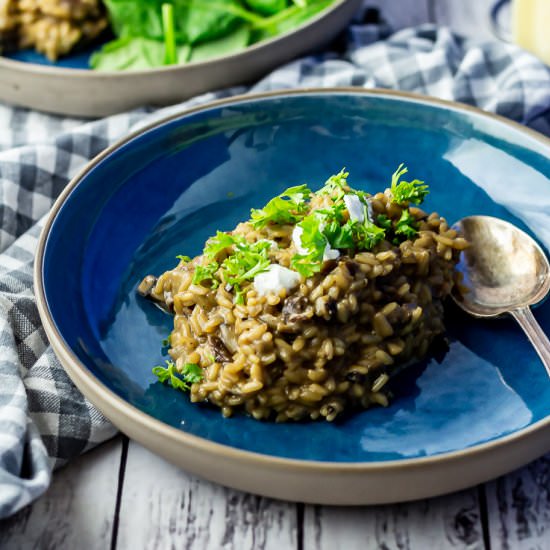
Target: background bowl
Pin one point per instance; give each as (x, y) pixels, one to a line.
(456, 420)
(70, 88)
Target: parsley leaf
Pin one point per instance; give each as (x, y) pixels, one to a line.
(289, 207)
(244, 264)
(313, 240)
(206, 273)
(366, 234)
(339, 236)
(184, 259)
(336, 186)
(306, 264)
(383, 221)
(220, 242)
(325, 227)
(190, 374)
(406, 225)
(407, 191)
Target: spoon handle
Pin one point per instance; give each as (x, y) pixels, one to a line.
(524, 316)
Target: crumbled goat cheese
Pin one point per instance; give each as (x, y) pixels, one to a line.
(330, 253)
(297, 240)
(355, 207)
(275, 279)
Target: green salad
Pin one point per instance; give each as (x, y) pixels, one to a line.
(153, 33)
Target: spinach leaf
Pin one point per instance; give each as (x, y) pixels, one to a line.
(133, 54)
(267, 7)
(194, 30)
(210, 20)
(232, 42)
(289, 19)
(138, 19)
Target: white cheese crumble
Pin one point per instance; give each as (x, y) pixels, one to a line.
(328, 254)
(356, 208)
(297, 233)
(275, 279)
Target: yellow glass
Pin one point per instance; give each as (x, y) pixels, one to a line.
(531, 26)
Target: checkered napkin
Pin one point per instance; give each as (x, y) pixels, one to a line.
(44, 420)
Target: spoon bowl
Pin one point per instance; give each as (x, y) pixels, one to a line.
(503, 271)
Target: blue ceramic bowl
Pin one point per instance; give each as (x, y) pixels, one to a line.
(162, 192)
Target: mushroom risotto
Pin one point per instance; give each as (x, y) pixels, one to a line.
(309, 307)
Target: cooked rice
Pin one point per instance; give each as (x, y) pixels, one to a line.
(52, 27)
(330, 344)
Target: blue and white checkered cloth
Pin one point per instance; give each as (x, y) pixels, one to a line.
(44, 420)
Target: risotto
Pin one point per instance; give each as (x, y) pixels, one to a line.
(309, 307)
(52, 27)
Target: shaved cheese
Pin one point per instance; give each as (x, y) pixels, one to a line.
(275, 279)
(356, 208)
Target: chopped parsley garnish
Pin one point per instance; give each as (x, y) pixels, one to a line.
(248, 260)
(384, 222)
(406, 225)
(405, 192)
(323, 228)
(230, 260)
(335, 187)
(289, 207)
(190, 374)
(367, 235)
(220, 242)
(340, 236)
(206, 273)
(315, 242)
(242, 263)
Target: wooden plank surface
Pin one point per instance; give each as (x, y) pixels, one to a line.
(519, 508)
(164, 507)
(77, 511)
(449, 522)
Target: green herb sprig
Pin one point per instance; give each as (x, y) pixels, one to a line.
(405, 192)
(191, 373)
(329, 226)
(207, 272)
(242, 263)
(314, 242)
(288, 207)
(336, 186)
(406, 225)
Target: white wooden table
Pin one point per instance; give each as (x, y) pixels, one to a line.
(122, 496)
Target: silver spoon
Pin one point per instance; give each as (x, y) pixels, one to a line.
(505, 271)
